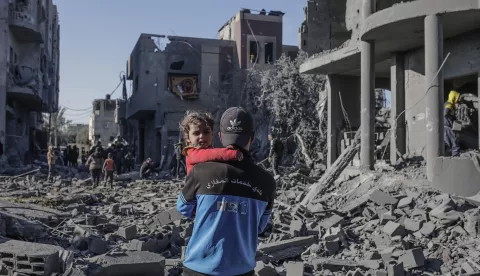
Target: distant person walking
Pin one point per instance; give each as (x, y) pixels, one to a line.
(95, 163)
(276, 153)
(51, 159)
(108, 169)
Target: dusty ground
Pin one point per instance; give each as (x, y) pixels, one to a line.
(381, 223)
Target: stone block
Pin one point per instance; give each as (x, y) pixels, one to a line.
(413, 258)
(394, 229)
(129, 263)
(128, 232)
(386, 217)
(382, 198)
(294, 268)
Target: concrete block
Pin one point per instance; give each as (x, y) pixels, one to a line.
(130, 263)
(381, 241)
(413, 258)
(297, 228)
(386, 217)
(394, 269)
(456, 176)
(97, 246)
(350, 208)
(31, 258)
(332, 246)
(294, 268)
(382, 198)
(427, 229)
(263, 270)
(357, 272)
(332, 221)
(281, 250)
(322, 263)
(128, 232)
(412, 225)
(394, 229)
(405, 202)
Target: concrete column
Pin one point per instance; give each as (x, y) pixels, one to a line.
(332, 121)
(397, 86)
(367, 98)
(434, 98)
(478, 94)
(4, 53)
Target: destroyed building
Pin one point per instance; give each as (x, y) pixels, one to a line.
(29, 73)
(419, 50)
(177, 74)
(102, 125)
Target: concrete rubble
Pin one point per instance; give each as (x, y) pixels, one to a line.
(385, 222)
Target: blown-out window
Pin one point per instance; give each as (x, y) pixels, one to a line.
(253, 55)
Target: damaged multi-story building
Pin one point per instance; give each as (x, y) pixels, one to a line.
(102, 125)
(170, 75)
(419, 50)
(29, 72)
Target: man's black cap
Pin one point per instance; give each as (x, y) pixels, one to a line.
(236, 127)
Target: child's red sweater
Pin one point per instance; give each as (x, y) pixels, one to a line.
(198, 155)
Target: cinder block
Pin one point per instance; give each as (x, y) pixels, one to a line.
(294, 268)
(394, 229)
(31, 258)
(413, 258)
(332, 246)
(128, 232)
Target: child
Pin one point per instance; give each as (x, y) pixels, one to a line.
(108, 169)
(197, 128)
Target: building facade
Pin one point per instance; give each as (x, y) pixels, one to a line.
(102, 125)
(419, 50)
(172, 75)
(29, 71)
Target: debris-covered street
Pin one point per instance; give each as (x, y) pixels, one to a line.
(384, 222)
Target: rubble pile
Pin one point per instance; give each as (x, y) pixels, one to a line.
(380, 223)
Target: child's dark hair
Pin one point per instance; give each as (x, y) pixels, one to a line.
(195, 117)
(110, 155)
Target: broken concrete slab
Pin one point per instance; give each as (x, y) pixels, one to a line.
(333, 264)
(382, 198)
(294, 268)
(129, 263)
(413, 258)
(458, 176)
(332, 221)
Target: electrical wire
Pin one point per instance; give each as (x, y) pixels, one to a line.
(121, 80)
(79, 114)
(72, 109)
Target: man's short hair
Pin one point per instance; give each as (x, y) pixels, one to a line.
(236, 127)
(196, 117)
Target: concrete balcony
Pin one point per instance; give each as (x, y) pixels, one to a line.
(141, 106)
(23, 87)
(24, 24)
